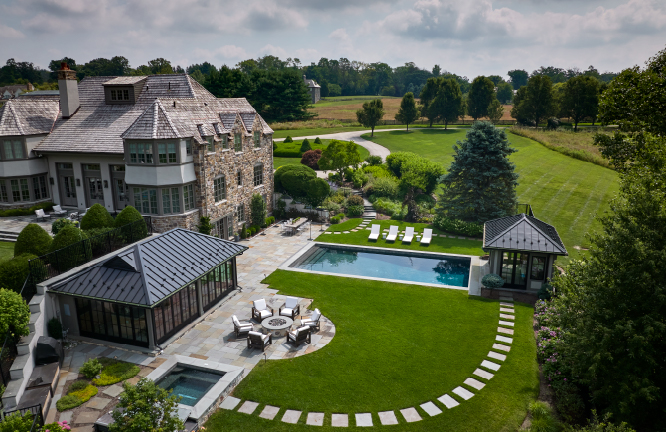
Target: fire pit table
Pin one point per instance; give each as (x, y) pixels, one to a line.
(278, 326)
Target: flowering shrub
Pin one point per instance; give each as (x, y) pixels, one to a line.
(57, 427)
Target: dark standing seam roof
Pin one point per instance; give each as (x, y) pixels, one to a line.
(522, 232)
(169, 262)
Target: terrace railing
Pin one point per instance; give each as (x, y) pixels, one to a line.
(59, 261)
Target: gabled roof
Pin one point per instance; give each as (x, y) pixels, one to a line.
(522, 232)
(154, 123)
(28, 116)
(152, 270)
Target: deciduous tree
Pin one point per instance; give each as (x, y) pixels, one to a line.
(147, 408)
(448, 104)
(338, 155)
(481, 93)
(580, 98)
(495, 111)
(534, 102)
(518, 77)
(504, 92)
(371, 113)
(408, 112)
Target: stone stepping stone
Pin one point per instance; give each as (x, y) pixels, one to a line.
(448, 401)
(328, 233)
(506, 298)
(483, 374)
(269, 412)
(504, 330)
(502, 347)
(248, 407)
(87, 417)
(346, 232)
(496, 356)
(506, 304)
(340, 420)
(98, 403)
(387, 418)
(364, 420)
(229, 403)
(462, 238)
(315, 419)
(506, 323)
(66, 416)
(291, 416)
(503, 339)
(507, 310)
(112, 391)
(337, 232)
(411, 415)
(463, 393)
(431, 409)
(490, 365)
(354, 230)
(505, 316)
(474, 383)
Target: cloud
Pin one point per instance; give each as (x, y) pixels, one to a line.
(9, 32)
(225, 52)
(273, 50)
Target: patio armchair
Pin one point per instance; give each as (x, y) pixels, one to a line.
(313, 321)
(258, 340)
(409, 235)
(299, 336)
(427, 236)
(374, 234)
(393, 233)
(290, 308)
(260, 311)
(41, 215)
(58, 211)
(241, 328)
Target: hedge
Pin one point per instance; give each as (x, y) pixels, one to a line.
(355, 211)
(27, 212)
(33, 239)
(96, 217)
(454, 226)
(15, 271)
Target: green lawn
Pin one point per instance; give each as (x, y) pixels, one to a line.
(565, 192)
(6, 250)
(396, 346)
(438, 244)
(324, 131)
(296, 146)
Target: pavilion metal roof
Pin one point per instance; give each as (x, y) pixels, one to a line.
(524, 233)
(151, 270)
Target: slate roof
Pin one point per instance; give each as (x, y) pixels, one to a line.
(182, 104)
(12, 89)
(522, 232)
(28, 116)
(125, 80)
(152, 270)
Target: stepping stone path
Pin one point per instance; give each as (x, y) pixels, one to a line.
(386, 418)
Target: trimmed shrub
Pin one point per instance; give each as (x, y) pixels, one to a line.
(257, 210)
(59, 224)
(78, 385)
(317, 141)
(491, 280)
(66, 237)
(15, 315)
(243, 232)
(96, 217)
(91, 368)
(33, 239)
(305, 146)
(455, 226)
(355, 211)
(374, 160)
(128, 215)
(269, 221)
(311, 158)
(281, 209)
(15, 271)
(48, 206)
(76, 398)
(274, 146)
(115, 372)
(288, 139)
(294, 179)
(355, 200)
(205, 227)
(54, 327)
(335, 220)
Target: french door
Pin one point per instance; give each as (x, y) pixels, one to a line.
(514, 269)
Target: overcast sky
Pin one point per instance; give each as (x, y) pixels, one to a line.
(467, 37)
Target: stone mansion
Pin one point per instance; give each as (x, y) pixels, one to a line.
(160, 143)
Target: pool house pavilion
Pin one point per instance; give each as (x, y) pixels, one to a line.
(147, 293)
(523, 250)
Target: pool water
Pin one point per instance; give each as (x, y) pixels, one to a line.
(190, 384)
(404, 266)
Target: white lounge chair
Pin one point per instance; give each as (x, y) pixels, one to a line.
(393, 233)
(41, 215)
(409, 235)
(260, 311)
(427, 236)
(374, 234)
(241, 328)
(57, 210)
(299, 336)
(290, 308)
(313, 321)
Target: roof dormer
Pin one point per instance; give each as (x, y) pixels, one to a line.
(123, 90)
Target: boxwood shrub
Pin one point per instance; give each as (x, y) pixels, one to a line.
(454, 226)
(128, 215)
(96, 217)
(14, 272)
(48, 206)
(59, 224)
(33, 239)
(492, 280)
(355, 211)
(335, 220)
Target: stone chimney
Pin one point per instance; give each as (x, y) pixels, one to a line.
(69, 90)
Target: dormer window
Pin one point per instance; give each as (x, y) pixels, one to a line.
(238, 142)
(257, 139)
(211, 144)
(120, 94)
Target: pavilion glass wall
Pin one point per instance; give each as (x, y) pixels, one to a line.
(112, 322)
(216, 284)
(175, 312)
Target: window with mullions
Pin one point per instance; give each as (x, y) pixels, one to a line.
(170, 200)
(39, 187)
(145, 200)
(220, 189)
(188, 197)
(20, 190)
(112, 322)
(257, 139)
(188, 147)
(240, 213)
(239, 178)
(3, 192)
(167, 152)
(211, 144)
(258, 175)
(13, 149)
(238, 142)
(174, 313)
(120, 95)
(141, 153)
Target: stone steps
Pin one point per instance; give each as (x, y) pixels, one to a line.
(8, 236)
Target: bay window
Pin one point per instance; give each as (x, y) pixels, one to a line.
(145, 200)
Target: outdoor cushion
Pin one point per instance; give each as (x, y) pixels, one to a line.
(235, 320)
(374, 234)
(290, 302)
(286, 312)
(260, 304)
(315, 315)
(264, 314)
(393, 233)
(257, 334)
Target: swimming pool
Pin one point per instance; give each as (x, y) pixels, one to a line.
(190, 384)
(387, 264)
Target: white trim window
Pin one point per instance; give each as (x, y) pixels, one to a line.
(141, 153)
(258, 174)
(188, 196)
(145, 200)
(170, 200)
(220, 189)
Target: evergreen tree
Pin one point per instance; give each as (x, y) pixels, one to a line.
(448, 104)
(371, 113)
(257, 210)
(305, 146)
(408, 111)
(481, 94)
(481, 183)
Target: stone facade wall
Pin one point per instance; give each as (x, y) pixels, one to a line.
(227, 162)
(188, 221)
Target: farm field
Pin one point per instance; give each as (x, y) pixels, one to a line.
(565, 192)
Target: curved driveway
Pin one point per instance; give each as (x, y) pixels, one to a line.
(374, 148)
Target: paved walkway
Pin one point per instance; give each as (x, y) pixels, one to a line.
(16, 223)
(374, 148)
